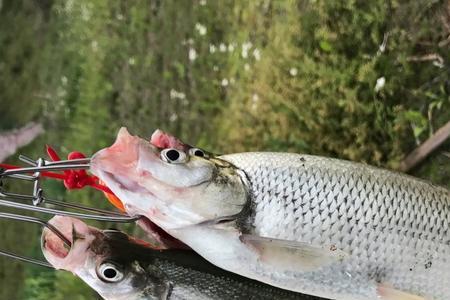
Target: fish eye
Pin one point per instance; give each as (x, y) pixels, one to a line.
(172, 155)
(197, 152)
(109, 272)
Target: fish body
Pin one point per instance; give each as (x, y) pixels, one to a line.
(119, 267)
(395, 228)
(321, 226)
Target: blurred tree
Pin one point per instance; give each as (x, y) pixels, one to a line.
(11, 141)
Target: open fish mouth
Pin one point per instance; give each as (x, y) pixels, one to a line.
(55, 246)
(52, 243)
(57, 252)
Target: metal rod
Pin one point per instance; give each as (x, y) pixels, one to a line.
(60, 167)
(81, 207)
(15, 196)
(86, 160)
(9, 200)
(117, 219)
(27, 160)
(37, 221)
(26, 259)
(23, 177)
(12, 196)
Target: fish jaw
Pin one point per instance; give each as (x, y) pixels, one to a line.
(56, 252)
(116, 166)
(170, 195)
(139, 201)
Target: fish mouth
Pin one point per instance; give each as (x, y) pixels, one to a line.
(117, 164)
(55, 250)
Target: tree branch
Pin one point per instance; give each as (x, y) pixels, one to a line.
(421, 152)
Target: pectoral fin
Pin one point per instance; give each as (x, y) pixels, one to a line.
(291, 255)
(386, 292)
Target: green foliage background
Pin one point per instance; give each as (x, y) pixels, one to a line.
(229, 76)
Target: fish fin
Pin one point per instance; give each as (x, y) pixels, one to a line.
(387, 292)
(292, 255)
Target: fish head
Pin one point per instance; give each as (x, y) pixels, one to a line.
(115, 265)
(174, 187)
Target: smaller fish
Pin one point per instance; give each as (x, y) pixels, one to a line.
(120, 267)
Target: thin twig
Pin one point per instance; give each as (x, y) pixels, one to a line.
(427, 57)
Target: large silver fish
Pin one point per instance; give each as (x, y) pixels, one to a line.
(316, 225)
(119, 267)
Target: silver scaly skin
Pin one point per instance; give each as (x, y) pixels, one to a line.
(394, 227)
(188, 283)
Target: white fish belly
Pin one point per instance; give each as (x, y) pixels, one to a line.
(394, 227)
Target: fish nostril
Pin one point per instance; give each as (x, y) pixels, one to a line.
(199, 153)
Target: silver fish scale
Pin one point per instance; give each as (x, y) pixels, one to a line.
(188, 284)
(394, 227)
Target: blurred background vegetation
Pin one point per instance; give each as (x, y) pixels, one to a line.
(361, 80)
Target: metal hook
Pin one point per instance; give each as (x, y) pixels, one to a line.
(39, 201)
(38, 198)
(37, 221)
